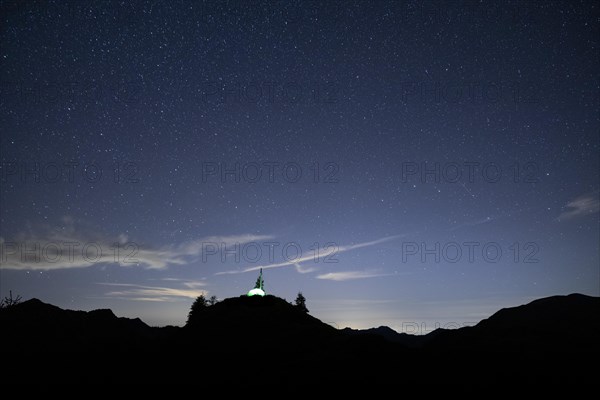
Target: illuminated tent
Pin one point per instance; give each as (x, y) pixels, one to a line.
(259, 287)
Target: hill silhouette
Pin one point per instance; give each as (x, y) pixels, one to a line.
(241, 326)
(244, 337)
(34, 326)
(557, 323)
(390, 335)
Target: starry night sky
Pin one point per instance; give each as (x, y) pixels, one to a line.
(442, 158)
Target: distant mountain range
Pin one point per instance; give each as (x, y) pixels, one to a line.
(267, 335)
(557, 322)
(408, 340)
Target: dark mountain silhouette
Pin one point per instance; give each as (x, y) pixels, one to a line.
(241, 325)
(34, 326)
(239, 339)
(558, 322)
(405, 339)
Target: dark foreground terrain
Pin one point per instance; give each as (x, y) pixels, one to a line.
(547, 342)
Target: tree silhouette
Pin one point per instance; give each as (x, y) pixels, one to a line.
(212, 301)
(199, 304)
(301, 302)
(8, 301)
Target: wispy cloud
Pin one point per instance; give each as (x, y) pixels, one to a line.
(323, 253)
(304, 270)
(480, 221)
(65, 247)
(128, 291)
(350, 275)
(583, 205)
